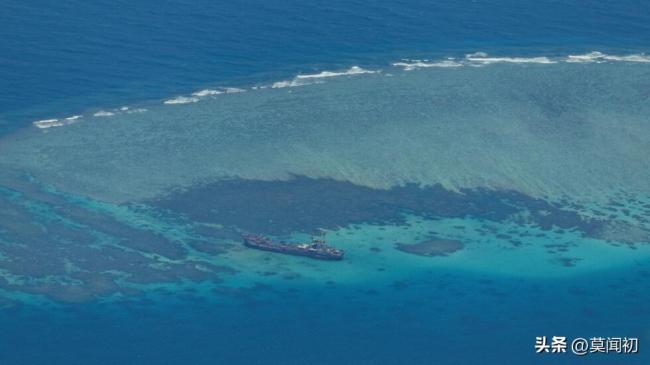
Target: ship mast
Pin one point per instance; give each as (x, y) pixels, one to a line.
(320, 239)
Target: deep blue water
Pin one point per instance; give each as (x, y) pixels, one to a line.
(62, 58)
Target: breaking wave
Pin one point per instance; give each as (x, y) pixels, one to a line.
(354, 70)
(198, 95)
(482, 58)
(181, 100)
(409, 65)
(602, 57)
(207, 92)
(308, 79)
(471, 59)
(49, 123)
(291, 83)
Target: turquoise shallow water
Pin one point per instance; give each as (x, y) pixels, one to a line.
(120, 228)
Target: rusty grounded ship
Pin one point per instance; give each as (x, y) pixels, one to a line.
(317, 249)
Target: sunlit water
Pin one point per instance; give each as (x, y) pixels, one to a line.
(525, 172)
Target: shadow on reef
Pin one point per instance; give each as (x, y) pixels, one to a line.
(304, 204)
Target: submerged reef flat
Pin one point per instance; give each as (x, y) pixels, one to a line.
(433, 247)
(496, 163)
(574, 130)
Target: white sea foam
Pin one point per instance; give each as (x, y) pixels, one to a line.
(308, 79)
(599, 57)
(483, 58)
(49, 123)
(354, 70)
(586, 58)
(135, 111)
(290, 83)
(181, 100)
(629, 58)
(213, 92)
(478, 59)
(207, 92)
(409, 65)
(196, 96)
(103, 113)
(124, 108)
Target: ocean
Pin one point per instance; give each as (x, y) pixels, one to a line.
(482, 163)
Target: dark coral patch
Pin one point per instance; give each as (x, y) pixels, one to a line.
(434, 247)
(303, 204)
(79, 287)
(138, 239)
(208, 246)
(399, 285)
(567, 261)
(59, 249)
